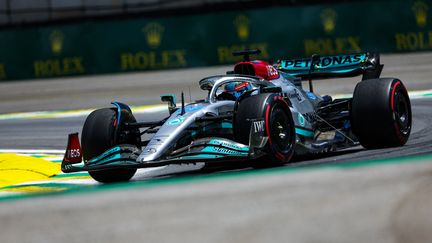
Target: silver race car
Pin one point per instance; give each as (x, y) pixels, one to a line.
(258, 112)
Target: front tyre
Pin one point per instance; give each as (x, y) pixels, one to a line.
(279, 126)
(281, 133)
(381, 113)
(98, 135)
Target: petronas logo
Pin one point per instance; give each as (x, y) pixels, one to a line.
(420, 9)
(328, 17)
(241, 23)
(56, 38)
(153, 32)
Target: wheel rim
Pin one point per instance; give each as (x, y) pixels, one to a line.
(402, 113)
(281, 131)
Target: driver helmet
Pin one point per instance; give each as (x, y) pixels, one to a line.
(237, 88)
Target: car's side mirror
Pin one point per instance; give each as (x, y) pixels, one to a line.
(171, 99)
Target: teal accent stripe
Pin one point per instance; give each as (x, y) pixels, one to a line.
(304, 132)
(76, 174)
(227, 125)
(202, 156)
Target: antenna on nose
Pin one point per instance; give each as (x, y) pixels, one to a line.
(183, 105)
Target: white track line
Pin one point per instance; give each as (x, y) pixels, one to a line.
(32, 151)
(74, 113)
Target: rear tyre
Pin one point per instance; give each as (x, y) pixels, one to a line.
(99, 134)
(279, 126)
(381, 113)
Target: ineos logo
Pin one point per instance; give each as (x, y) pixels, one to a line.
(74, 153)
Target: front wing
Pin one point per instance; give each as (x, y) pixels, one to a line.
(125, 156)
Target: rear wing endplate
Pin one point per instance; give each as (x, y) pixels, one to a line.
(347, 65)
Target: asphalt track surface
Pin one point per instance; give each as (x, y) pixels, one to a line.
(376, 201)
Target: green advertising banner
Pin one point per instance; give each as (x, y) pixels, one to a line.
(198, 40)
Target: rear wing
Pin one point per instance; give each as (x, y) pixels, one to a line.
(347, 65)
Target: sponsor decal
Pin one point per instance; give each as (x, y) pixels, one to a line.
(271, 71)
(74, 153)
(229, 145)
(328, 17)
(301, 119)
(222, 150)
(56, 38)
(332, 45)
(193, 107)
(241, 23)
(58, 66)
(153, 33)
(416, 40)
(311, 117)
(420, 10)
(143, 60)
(258, 126)
(154, 59)
(243, 30)
(176, 121)
(311, 95)
(324, 62)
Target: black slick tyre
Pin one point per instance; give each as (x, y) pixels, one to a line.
(381, 113)
(279, 127)
(98, 135)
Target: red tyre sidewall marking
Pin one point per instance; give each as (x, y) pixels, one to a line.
(267, 118)
(115, 122)
(114, 125)
(393, 94)
(285, 158)
(278, 155)
(396, 124)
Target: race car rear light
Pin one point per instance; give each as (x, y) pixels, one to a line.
(73, 154)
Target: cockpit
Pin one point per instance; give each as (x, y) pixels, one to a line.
(230, 87)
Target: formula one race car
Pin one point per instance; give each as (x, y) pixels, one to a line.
(257, 112)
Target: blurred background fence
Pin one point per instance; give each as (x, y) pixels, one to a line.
(17, 12)
(51, 38)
